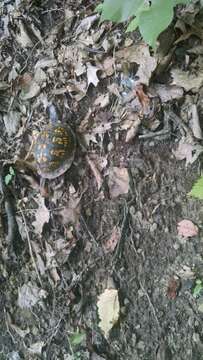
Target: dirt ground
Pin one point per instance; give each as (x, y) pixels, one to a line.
(54, 259)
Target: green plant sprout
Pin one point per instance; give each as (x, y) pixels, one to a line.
(198, 288)
(9, 177)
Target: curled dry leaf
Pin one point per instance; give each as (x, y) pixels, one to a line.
(42, 215)
(92, 75)
(22, 36)
(187, 229)
(173, 288)
(143, 98)
(118, 181)
(95, 171)
(110, 244)
(86, 23)
(108, 310)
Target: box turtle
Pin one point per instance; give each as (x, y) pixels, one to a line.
(54, 149)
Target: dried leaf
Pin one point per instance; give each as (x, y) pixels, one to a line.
(45, 63)
(189, 81)
(166, 92)
(86, 23)
(32, 90)
(96, 171)
(140, 55)
(12, 122)
(108, 66)
(29, 295)
(187, 229)
(71, 213)
(36, 348)
(188, 151)
(108, 310)
(173, 288)
(102, 101)
(22, 37)
(42, 215)
(110, 244)
(92, 75)
(118, 181)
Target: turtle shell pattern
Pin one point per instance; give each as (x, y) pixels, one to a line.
(54, 150)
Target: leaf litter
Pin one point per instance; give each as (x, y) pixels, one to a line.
(69, 65)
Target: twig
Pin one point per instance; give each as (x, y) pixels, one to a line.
(88, 231)
(30, 248)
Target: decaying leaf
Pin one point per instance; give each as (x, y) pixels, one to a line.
(187, 80)
(102, 101)
(188, 151)
(166, 92)
(42, 215)
(12, 122)
(36, 348)
(108, 310)
(108, 66)
(173, 288)
(187, 229)
(29, 295)
(92, 75)
(118, 181)
(96, 172)
(71, 213)
(22, 36)
(110, 244)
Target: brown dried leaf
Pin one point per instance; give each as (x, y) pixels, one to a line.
(42, 215)
(110, 244)
(108, 66)
(118, 181)
(71, 213)
(189, 81)
(140, 55)
(95, 170)
(188, 151)
(173, 288)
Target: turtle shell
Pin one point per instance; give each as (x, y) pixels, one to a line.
(54, 150)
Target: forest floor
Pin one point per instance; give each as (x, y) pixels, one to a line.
(110, 232)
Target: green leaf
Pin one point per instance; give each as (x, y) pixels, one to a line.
(176, 2)
(155, 19)
(99, 8)
(8, 179)
(198, 288)
(197, 189)
(11, 171)
(133, 24)
(120, 10)
(77, 338)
